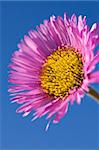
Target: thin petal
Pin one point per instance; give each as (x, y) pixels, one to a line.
(47, 126)
(61, 113)
(93, 63)
(74, 20)
(94, 77)
(78, 98)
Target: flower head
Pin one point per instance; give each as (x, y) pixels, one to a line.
(53, 66)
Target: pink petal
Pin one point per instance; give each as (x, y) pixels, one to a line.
(94, 77)
(29, 52)
(66, 19)
(93, 63)
(81, 23)
(47, 126)
(85, 84)
(56, 28)
(31, 44)
(95, 28)
(26, 114)
(61, 113)
(74, 20)
(63, 31)
(78, 98)
(73, 98)
(42, 48)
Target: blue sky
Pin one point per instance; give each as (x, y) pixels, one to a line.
(80, 128)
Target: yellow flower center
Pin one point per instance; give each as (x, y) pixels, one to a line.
(61, 72)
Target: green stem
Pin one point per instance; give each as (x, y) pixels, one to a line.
(93, 94)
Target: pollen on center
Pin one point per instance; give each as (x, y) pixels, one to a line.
(62, 71)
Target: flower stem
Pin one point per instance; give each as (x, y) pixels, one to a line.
(93, 94)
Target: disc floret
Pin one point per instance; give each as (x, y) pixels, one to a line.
(62, 71)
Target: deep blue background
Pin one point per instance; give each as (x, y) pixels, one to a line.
(79, 129)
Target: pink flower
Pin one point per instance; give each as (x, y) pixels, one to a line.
(54, 66)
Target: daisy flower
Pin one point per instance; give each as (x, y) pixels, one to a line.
(54, 67)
